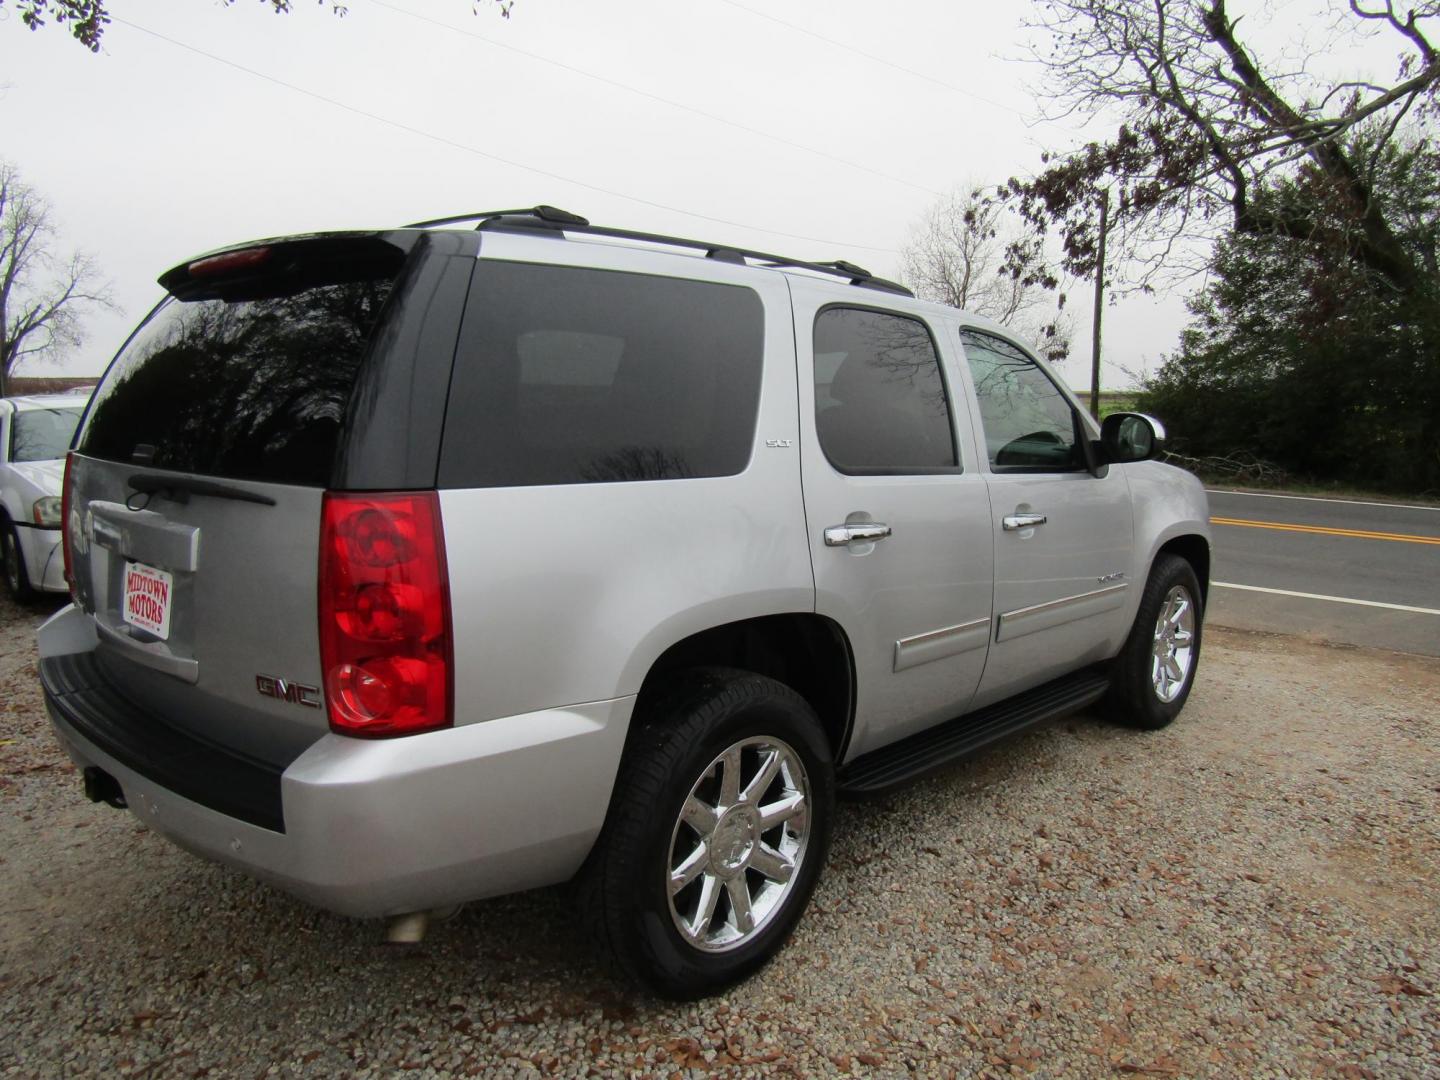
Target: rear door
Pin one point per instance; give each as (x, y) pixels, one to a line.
(1063, 536)
(898, 518)
(200, 469)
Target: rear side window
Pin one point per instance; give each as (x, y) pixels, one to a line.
(573, 376)
(880, 402)
(250, 382)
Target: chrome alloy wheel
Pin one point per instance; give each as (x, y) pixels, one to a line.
(1173, 650)
(737, 846)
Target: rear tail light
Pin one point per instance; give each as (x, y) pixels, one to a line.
(385, 643)
(229, 262)
(67, 528)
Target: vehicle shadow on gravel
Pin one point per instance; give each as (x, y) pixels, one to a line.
(35, 611)
(254, 967)
(518, 946)
(1203, 900)
(522, 946)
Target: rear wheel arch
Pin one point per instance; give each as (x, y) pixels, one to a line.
(668, 865)
(809, 653)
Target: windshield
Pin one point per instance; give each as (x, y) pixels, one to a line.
(43, 434)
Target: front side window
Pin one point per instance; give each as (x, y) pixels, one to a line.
(1028, 424)
(880, 402)
(42, 434)
(567, 375)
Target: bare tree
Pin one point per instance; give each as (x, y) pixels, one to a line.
(43, 294)
(1206, 124)
(87, 19)
(969, 251)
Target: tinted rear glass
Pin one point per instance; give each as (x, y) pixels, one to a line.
(42, 434)
(251, 384)
(572, 376)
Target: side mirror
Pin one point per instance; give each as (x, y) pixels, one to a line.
(1131, 437)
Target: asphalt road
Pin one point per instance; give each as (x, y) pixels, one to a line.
(1358, 573)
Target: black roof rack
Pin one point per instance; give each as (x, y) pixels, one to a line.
(537, 215)
(553, 219)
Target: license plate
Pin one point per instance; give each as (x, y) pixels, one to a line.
(147, 598)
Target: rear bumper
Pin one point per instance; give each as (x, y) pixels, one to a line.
(382, 827)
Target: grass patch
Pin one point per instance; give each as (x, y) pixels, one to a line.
(1117, 401)
(1111, 401)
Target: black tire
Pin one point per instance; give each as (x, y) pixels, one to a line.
(623, 890)
(12, 564)
(1134, 699)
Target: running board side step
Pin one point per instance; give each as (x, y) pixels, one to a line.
(890, 766)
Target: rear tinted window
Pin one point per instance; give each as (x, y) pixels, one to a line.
(253, 387)
(573, 376)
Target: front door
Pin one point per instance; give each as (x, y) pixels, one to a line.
(1063, 536)
(898, 519)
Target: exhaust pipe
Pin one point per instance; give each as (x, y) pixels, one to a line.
(100, 786)
(410, 928)
(407, 929)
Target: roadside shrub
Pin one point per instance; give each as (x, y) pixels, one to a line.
(1299, 357)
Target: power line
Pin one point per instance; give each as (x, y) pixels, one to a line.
(873, 58)
(453, 144)
(715, 117)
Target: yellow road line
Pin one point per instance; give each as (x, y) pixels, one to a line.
(1323, 530)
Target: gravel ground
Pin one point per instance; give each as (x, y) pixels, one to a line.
(1250, 893)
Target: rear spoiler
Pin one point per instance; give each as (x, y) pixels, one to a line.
(283, 265)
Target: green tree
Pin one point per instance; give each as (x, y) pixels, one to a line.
(1302, 353)
(1308, 197)
(1205, 123)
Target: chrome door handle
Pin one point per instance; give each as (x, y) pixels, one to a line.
(840, 535)
(1022, 521)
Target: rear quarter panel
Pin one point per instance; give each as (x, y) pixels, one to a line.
(567, 594)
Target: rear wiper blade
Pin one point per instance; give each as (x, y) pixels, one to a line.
(180, 488)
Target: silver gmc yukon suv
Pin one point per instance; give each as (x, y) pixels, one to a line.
(416, 566)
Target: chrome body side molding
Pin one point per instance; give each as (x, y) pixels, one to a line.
(938, 644)
(1028, 620)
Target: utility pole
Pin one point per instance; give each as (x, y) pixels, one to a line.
(1099, 306)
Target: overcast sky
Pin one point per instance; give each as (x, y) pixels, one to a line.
(703, 118)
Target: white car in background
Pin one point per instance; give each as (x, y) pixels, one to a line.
(35, 434)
